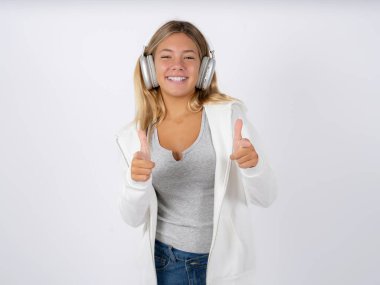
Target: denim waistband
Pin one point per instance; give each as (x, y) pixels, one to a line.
(179, 254)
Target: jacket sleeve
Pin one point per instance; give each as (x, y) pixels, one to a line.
(259, 182)
(135, 198)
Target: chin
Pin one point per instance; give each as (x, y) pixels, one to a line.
(178, 93)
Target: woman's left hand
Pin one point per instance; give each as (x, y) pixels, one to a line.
(244, 152)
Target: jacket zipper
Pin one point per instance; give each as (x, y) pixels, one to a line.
(217, 223)
(150, 245)
(122, 152)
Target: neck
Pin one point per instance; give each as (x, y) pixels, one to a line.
(176, 107)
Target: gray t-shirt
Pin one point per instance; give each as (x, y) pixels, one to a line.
(185, 192)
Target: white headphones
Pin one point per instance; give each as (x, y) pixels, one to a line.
(206, 71)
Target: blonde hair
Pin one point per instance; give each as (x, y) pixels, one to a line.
(150, 107)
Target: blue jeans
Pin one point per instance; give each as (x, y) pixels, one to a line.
(177, 267)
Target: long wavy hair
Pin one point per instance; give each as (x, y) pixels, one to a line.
(150, 107)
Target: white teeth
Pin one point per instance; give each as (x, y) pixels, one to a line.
(177, 78)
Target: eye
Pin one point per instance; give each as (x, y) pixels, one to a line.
(165, 56)
(189, 57)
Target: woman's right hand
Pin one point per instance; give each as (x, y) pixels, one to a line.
(141, 168)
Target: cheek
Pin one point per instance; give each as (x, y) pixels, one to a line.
(160, 69)
(194, 70)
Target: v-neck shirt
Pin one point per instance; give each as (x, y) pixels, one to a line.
(185, 192)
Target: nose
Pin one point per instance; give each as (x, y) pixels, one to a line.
(177, 64)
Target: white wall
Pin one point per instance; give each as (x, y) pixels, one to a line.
(309, 74)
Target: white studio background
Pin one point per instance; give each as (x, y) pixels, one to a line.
(309, 74)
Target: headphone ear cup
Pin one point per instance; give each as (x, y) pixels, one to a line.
(148, 72)
(206, 73)
(209, 73)
(145, 72)
(152, 71)
(202, 70)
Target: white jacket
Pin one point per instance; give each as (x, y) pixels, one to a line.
(231, 257)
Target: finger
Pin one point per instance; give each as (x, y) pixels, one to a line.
(141, 161)
(140, 177)
(146, 164)
(245, 143)
(144, 147)
(239, 153)
(245, 149)
(246, 158)
(249, 164)
(237, 130)
(141, 171)
(140, 155)
(245, 165)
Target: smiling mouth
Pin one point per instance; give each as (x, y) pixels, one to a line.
(176, 78)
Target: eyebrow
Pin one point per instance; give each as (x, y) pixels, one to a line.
(187, 50)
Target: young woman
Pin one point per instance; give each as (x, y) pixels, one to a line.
(193, 165)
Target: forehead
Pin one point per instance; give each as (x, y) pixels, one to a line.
(177, 41)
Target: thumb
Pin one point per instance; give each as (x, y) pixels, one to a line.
(237, 133)
(144, 147)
